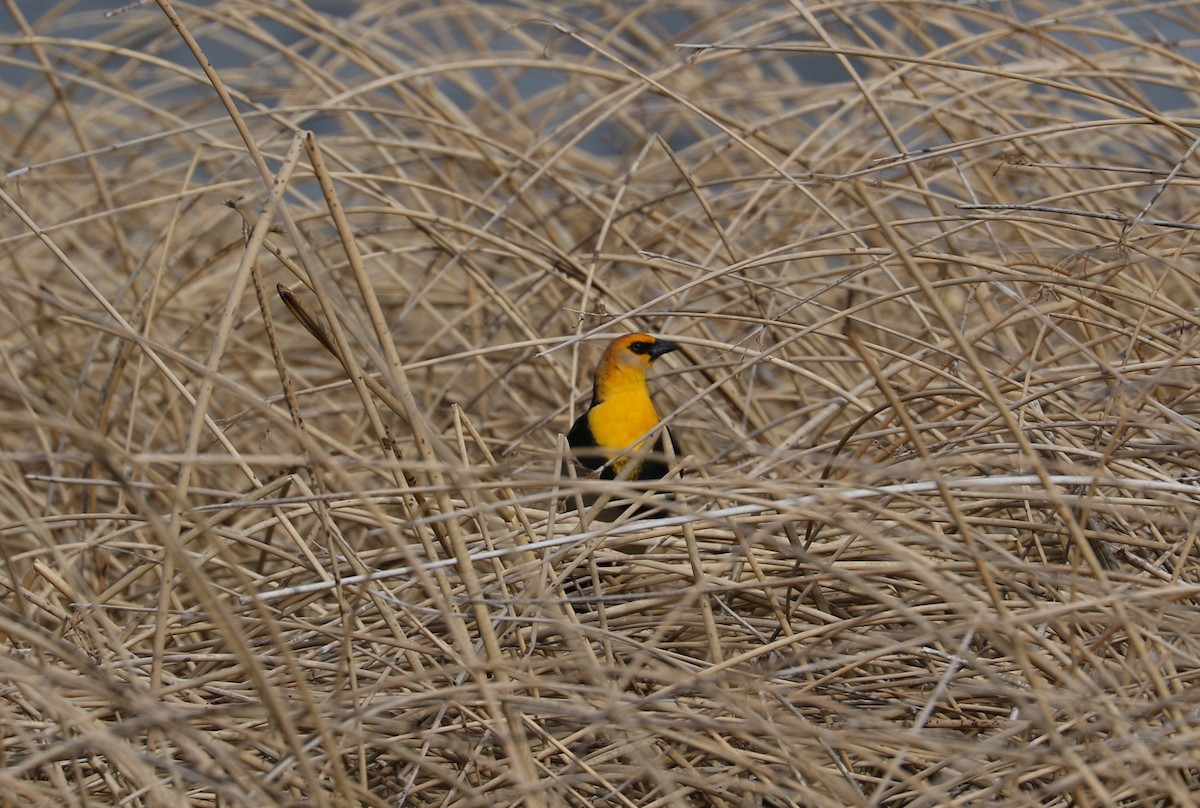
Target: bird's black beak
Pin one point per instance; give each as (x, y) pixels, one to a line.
(660, 347)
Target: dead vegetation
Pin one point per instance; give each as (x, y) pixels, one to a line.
(933, 536)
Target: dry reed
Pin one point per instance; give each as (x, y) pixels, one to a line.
(302, 301)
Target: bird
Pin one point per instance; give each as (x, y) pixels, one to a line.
(606, 435)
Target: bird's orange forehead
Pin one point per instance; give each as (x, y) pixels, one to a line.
(623, 343)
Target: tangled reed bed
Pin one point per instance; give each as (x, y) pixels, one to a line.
(933, 534)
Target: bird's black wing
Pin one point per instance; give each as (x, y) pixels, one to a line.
(655, 466)
(584, 443)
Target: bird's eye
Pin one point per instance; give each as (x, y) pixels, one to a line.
(640, 347)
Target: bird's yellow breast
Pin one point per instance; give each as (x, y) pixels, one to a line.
(622, 418)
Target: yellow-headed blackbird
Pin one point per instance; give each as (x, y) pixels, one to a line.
(621, 412)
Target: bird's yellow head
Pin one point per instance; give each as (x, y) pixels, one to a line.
(625, 363)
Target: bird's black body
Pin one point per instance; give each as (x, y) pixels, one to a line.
(580, 437)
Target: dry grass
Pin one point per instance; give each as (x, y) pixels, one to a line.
(934, 540)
